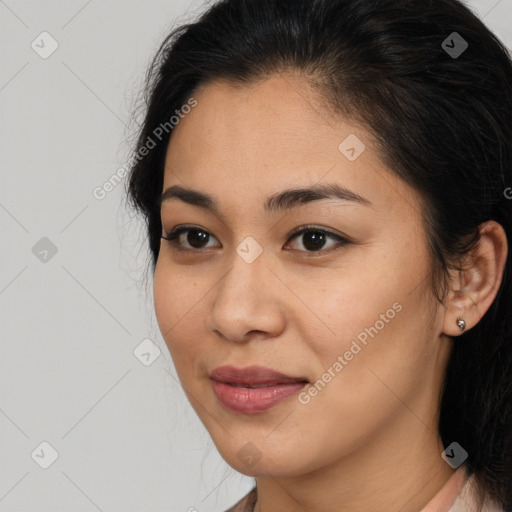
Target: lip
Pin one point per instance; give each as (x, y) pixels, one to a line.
(253, 389)
(252, 376)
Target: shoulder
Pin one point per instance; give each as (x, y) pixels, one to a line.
(246, 504)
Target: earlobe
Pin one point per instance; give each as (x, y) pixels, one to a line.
(476, 285)
(458, 304)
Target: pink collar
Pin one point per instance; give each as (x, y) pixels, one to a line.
(445, 498)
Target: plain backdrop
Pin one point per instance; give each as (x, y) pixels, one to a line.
(92, 416)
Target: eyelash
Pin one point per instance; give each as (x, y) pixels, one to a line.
(173, 235)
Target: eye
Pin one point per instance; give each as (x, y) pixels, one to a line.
(197, 238)
(314, 238)
(194, 238)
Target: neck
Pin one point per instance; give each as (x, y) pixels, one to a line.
(401, 470)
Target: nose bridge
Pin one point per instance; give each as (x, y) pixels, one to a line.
(244, 301)
(248, 266)
(243, 281)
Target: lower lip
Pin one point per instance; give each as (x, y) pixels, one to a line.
(254, 400)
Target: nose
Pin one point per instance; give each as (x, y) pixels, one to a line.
(247, 303)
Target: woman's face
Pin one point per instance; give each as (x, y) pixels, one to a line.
(351, 315)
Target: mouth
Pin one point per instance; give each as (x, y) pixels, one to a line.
(252, 377)
(253, 389)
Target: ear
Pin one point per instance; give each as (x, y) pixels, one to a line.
(474, 288)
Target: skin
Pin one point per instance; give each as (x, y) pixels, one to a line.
(369, 439)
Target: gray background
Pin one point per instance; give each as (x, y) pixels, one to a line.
(71, 374)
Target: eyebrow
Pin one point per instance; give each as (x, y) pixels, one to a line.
(285, 200)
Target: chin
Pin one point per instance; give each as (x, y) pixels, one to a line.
(253, 459)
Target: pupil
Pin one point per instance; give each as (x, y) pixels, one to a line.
(195, 237)
(314, 240)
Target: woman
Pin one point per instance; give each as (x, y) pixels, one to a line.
(327, 190)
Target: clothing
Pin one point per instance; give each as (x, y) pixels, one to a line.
(457, 495)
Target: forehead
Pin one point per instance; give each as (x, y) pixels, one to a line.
(267, 120)
(244, 143)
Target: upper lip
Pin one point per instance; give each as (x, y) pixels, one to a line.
(251, 376)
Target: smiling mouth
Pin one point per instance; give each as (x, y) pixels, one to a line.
(254, 399)
(253, 389)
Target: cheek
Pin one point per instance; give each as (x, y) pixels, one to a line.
(364, 367)
(173, 300)
(176, 293)
(165, 299)
(366, 330)
(345, 303)
(179, 302)
(375, 317)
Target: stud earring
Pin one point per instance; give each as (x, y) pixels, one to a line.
(461, 323)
